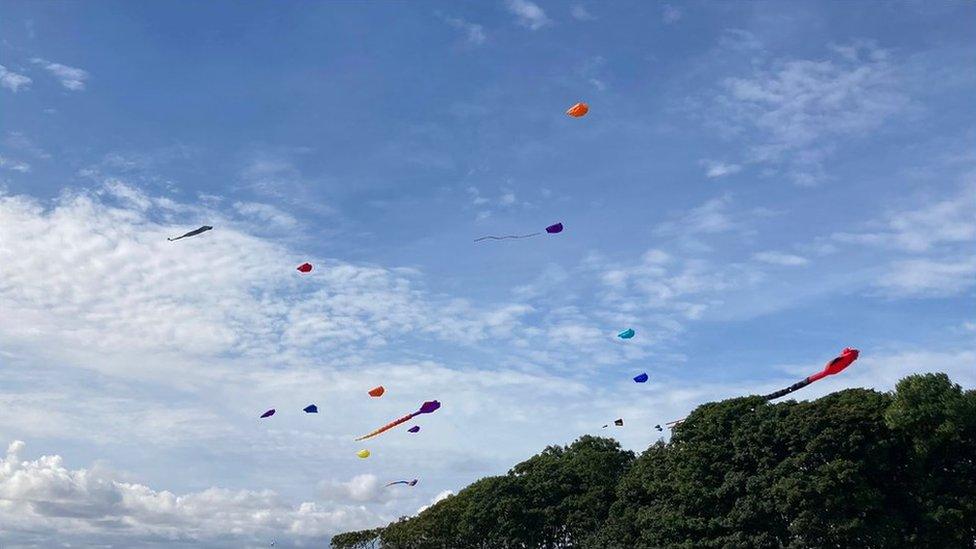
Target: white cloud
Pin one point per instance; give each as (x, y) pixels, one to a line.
(266, 213)
(476, 197)
(739, 40)
(928, 278)
(670, 14)
(436, 499)
(580, 13)
(933, 241)
(42, 498)
(275, 174)
(71, 78)
(24, 144)
(14, 165)
(675, 288)
(720, 169)
(113, 282)
(505, 201)
(361, 488)
(925, 226)
(714, 216)
(473, 32)
(793, 111)
(12, 80)
(529, 14)
(127, 194)
(779, 258)
(194, 339)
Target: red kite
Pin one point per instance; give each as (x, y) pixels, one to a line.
(846, 358)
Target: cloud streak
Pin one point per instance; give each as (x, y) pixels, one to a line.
(791, 111)
(41, 497)
(473, 33)
(13, 81)
(71, 78)
(528, 14)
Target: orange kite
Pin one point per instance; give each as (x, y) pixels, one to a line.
(377, 391)
(578, 110)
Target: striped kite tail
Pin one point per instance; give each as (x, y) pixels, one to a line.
(388, 426)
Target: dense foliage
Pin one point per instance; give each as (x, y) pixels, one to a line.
(856, 468)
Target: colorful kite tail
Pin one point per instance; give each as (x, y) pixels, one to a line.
(508, 236)
(387, 427)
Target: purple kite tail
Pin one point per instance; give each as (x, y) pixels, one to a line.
(506, 236)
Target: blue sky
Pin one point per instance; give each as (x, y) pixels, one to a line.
(756, 186)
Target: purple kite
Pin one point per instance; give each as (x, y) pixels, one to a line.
(551, 229)
(407, 482)
(428, 407)
(414, 429)
(269, 413)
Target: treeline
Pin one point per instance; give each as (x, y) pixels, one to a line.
(857, 468)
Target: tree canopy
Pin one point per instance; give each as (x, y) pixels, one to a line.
(857, 468)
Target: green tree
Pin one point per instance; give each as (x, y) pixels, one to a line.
(361, 539)
(554, 499)
(936, 423)
(857, 468)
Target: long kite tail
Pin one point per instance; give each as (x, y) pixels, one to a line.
(508, 236)
(790, 389)
(388, 426)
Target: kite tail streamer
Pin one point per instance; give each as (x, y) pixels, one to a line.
(790, 389)
(506, 237)
(388, 426)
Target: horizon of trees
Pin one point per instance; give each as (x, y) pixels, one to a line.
(856, 468)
